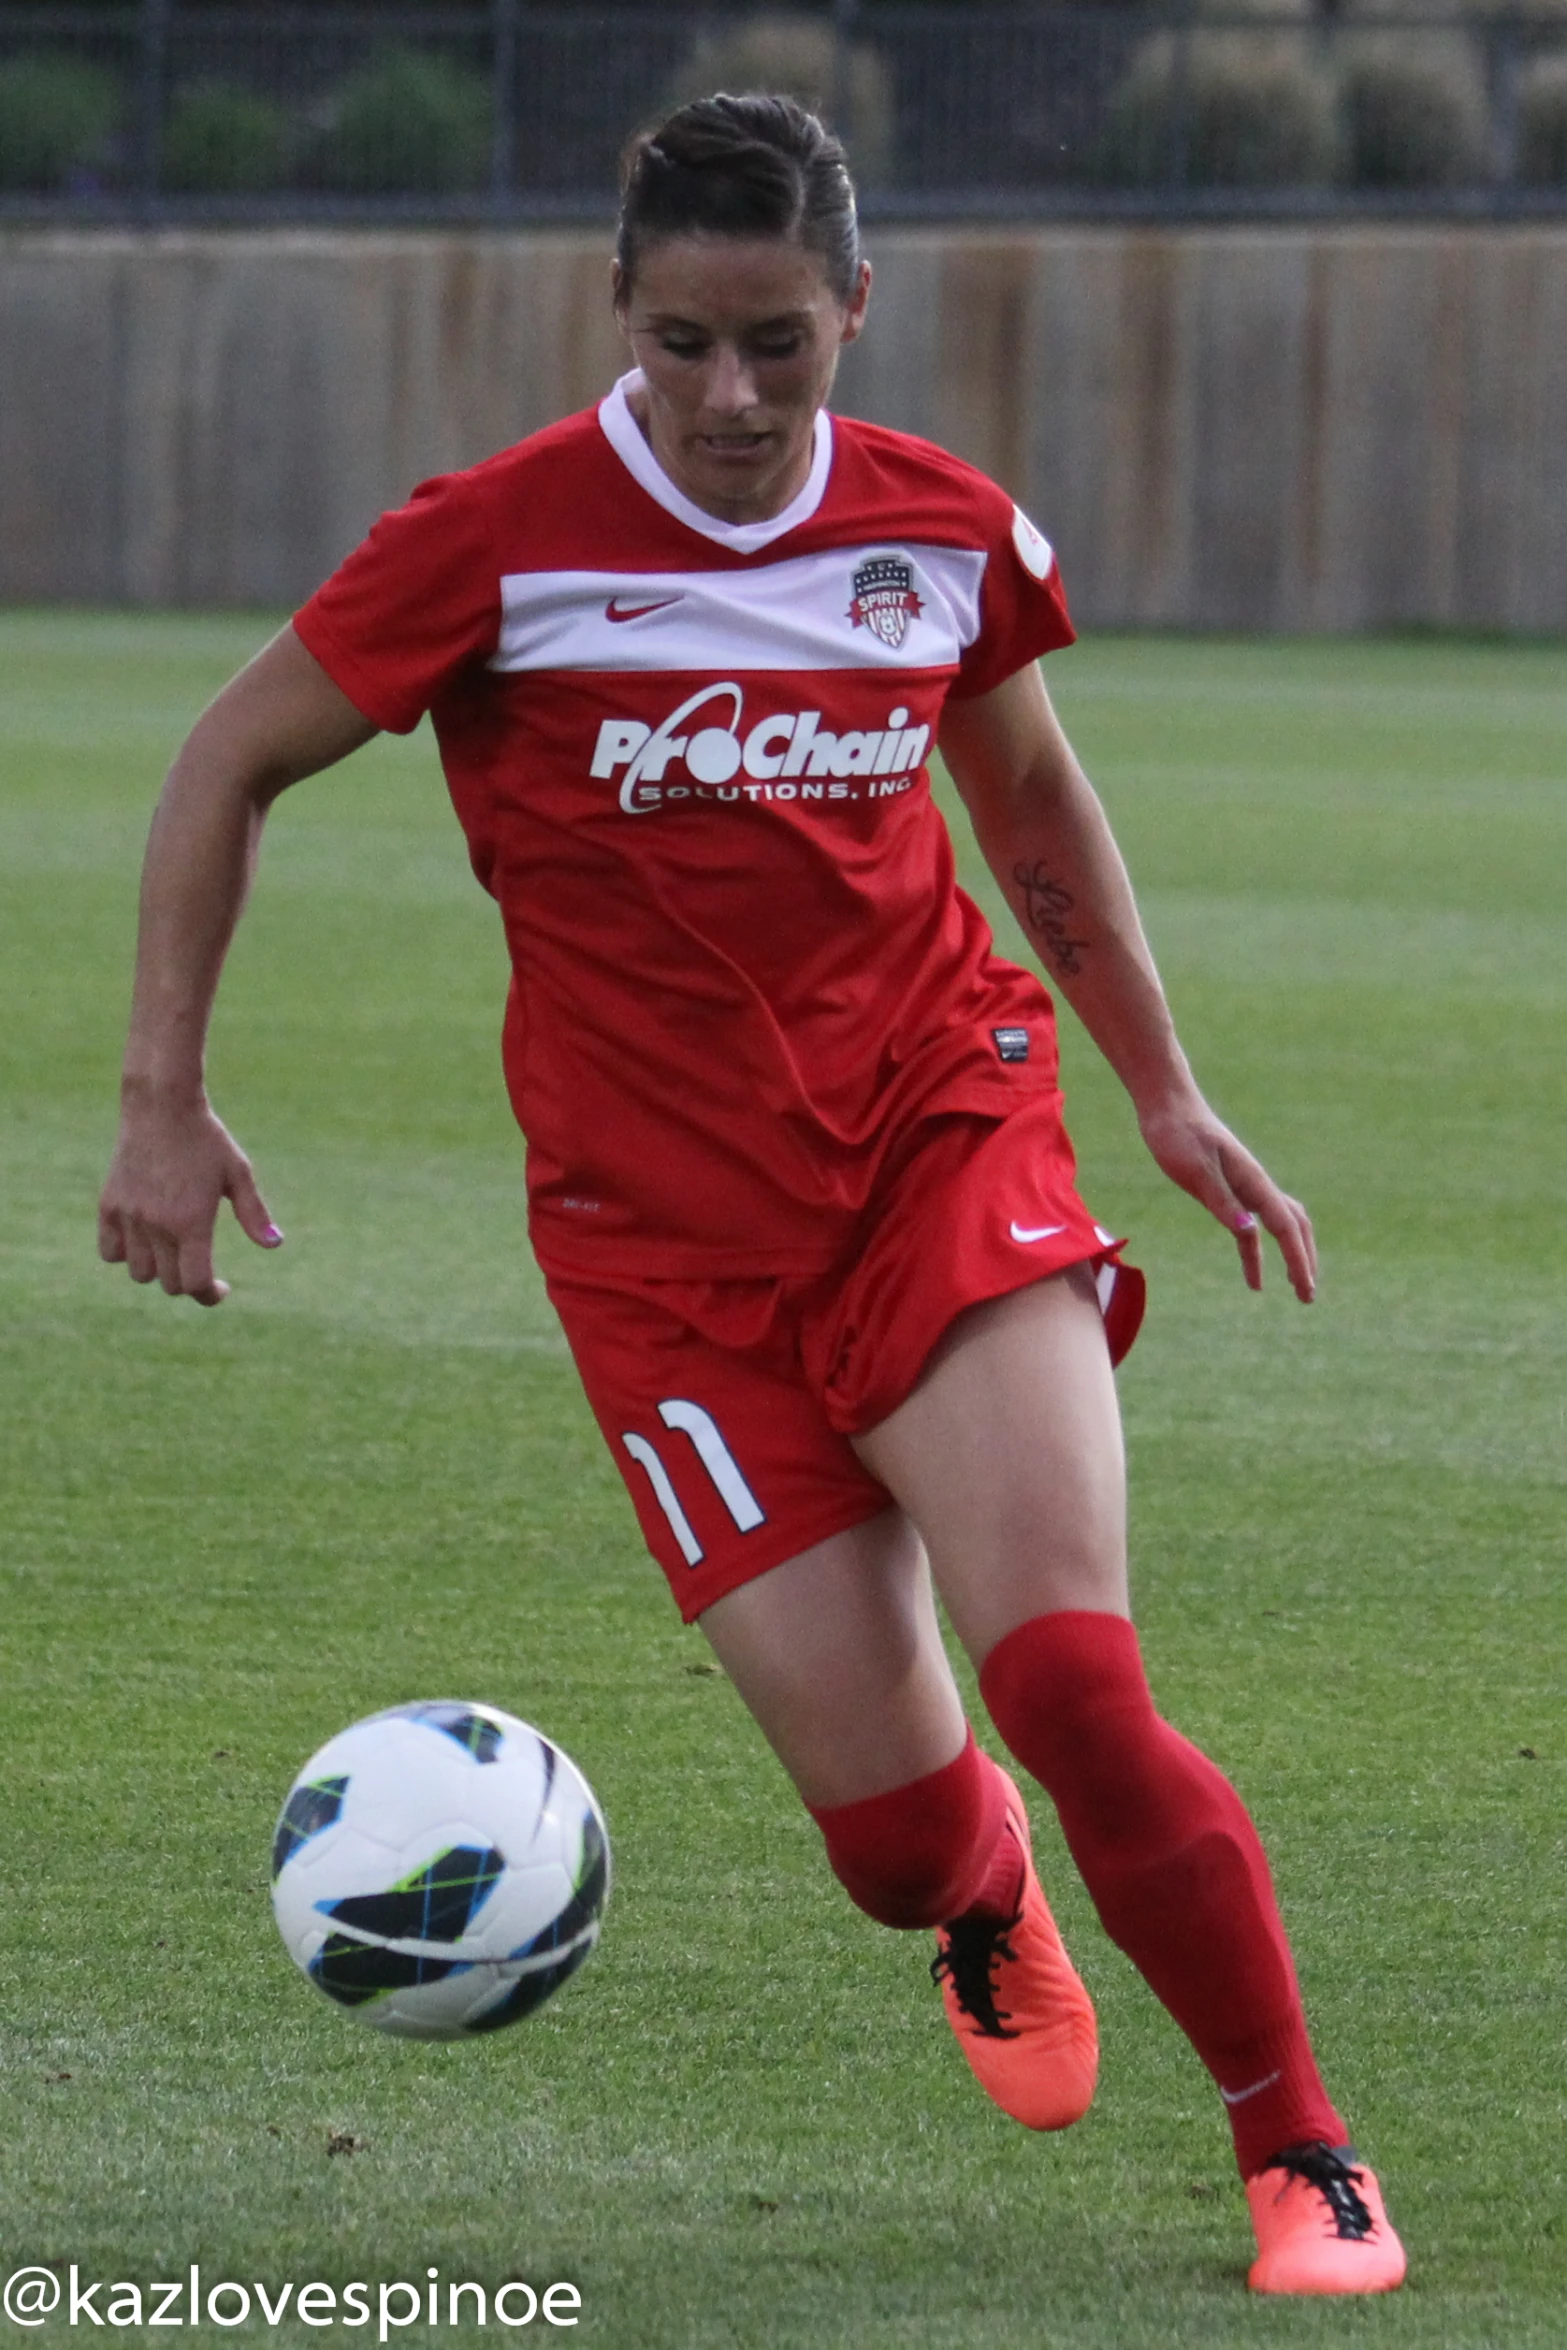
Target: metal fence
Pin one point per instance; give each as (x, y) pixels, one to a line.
(170, 110)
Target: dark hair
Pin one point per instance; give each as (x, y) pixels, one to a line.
(740, 167)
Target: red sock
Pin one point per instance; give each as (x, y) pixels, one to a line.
(1176, 1869)
(920, 1853)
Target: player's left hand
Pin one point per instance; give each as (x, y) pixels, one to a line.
(1198, 1151)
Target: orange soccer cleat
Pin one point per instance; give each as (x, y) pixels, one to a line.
(1017, 2004)
(1320, 2225)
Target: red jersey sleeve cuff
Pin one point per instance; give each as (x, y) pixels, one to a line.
(983, 678)
(367, 694)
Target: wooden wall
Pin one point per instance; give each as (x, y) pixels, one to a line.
(1277, 428)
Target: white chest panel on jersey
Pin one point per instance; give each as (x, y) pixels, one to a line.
(879, 606)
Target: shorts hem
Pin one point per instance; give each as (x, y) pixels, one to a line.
(1127, 1293)
(721, 1581)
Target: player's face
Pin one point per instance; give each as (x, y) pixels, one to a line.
(738, 339)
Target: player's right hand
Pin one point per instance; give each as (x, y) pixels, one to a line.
(171, 1171)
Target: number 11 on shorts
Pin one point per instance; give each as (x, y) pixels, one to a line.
(716, 1458)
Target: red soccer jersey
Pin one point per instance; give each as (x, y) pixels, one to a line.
(689, 758)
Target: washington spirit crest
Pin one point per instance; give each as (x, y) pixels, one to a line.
(884, 598)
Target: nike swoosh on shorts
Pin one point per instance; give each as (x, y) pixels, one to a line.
(1027, 1232)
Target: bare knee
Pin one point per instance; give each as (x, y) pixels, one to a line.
(839, 1657)
(1008, 1457)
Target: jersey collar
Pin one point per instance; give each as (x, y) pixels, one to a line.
(625, 437)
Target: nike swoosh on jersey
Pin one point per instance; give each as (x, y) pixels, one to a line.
(616, 610)
(1028, 1232)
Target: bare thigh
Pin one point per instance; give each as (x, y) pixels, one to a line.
(1008, 1459)
(839, 1656)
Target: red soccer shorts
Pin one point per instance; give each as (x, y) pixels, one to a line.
(728, 1405)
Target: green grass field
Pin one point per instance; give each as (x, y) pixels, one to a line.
(370, 1476)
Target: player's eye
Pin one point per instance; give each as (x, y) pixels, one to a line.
(682, 346)
(785, 346)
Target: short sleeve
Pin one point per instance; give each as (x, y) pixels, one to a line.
(1022, 610)
(413, 605)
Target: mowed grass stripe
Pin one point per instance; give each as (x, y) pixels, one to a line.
(371, 1476)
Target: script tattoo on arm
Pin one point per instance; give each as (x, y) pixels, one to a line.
(1046, 906)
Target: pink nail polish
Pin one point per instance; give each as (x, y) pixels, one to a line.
(272, 1236)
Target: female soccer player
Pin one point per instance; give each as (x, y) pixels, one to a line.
(797, 1174)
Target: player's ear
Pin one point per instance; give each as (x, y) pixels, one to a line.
(854, 313)
(619, 293)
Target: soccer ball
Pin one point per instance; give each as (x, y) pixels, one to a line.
(440, 1869)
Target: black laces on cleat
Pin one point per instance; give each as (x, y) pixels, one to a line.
(973, 1947)
(1331, 2170)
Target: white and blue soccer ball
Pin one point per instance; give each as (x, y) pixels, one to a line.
(440, 1869)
